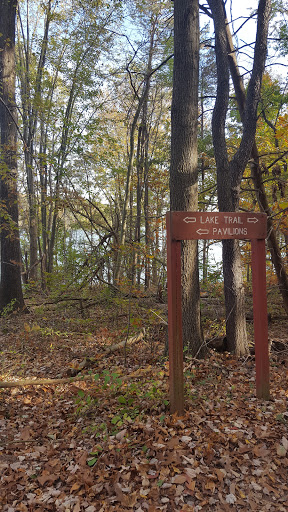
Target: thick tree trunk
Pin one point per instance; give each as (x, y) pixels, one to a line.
(229, 174)
(234, 298)
(31, 102)
(256, 174)
(184, 158)
(233, 285)
(10, 287)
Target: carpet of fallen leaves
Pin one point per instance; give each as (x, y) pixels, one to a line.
(110, 444)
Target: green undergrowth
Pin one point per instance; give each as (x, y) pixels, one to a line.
(128, 401)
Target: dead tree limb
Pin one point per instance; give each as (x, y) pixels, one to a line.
(78, 378)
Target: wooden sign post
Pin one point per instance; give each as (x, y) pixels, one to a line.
(217, 226)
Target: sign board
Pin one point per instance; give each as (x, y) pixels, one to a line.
(217, 226)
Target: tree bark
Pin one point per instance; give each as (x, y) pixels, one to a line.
(30, 108)
(229, 174)
(233, 287)
(184, 157)
(256, 174)
(10, 286)
(142, 100)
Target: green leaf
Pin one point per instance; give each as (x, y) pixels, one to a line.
(280, 417)
(122, 400)
(92, 461)
(115, 420)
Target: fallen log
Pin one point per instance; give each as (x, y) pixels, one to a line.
(67, 380)
(43, 382)
(138, 374)
(89, 361)
(126, 343)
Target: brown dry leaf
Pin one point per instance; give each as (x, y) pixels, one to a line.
(267, 488)
(22, 508)
(25, 434)
(54, 462)
(75, 487)
(281, 450)
(210, 485)
(27, 400)
(125, 500)
(120, 435)
(261, 451)
(191, 473)
(220, 474)
(82, 459)
(97, 488)
(47, 477)
(191, 485)
(179, 479)
(173, 443)
(86, 477)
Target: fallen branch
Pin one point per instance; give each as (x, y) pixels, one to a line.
(68, 380)
(141, 372)
(130, 341)
(89, 361)
(44, 382)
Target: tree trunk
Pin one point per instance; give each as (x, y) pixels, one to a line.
(184, 158)
(139, 191)
(31, 102)
(256, 174)
(286, 246)
(43, 185)
(33, 220)
(62, 160)
(229, 174)
(141, 105)
(148, 244)
(10, 287)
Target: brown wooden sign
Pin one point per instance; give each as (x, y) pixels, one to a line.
(218, 225)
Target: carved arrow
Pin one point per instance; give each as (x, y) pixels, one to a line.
(252, 219)
(202, 231)
(189, 219)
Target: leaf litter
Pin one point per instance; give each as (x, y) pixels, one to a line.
(111, 445)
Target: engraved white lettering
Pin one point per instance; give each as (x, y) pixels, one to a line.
(209, 220)
(229, 231)
(232, 220)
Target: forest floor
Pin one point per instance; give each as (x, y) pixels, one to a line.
(109, 443)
